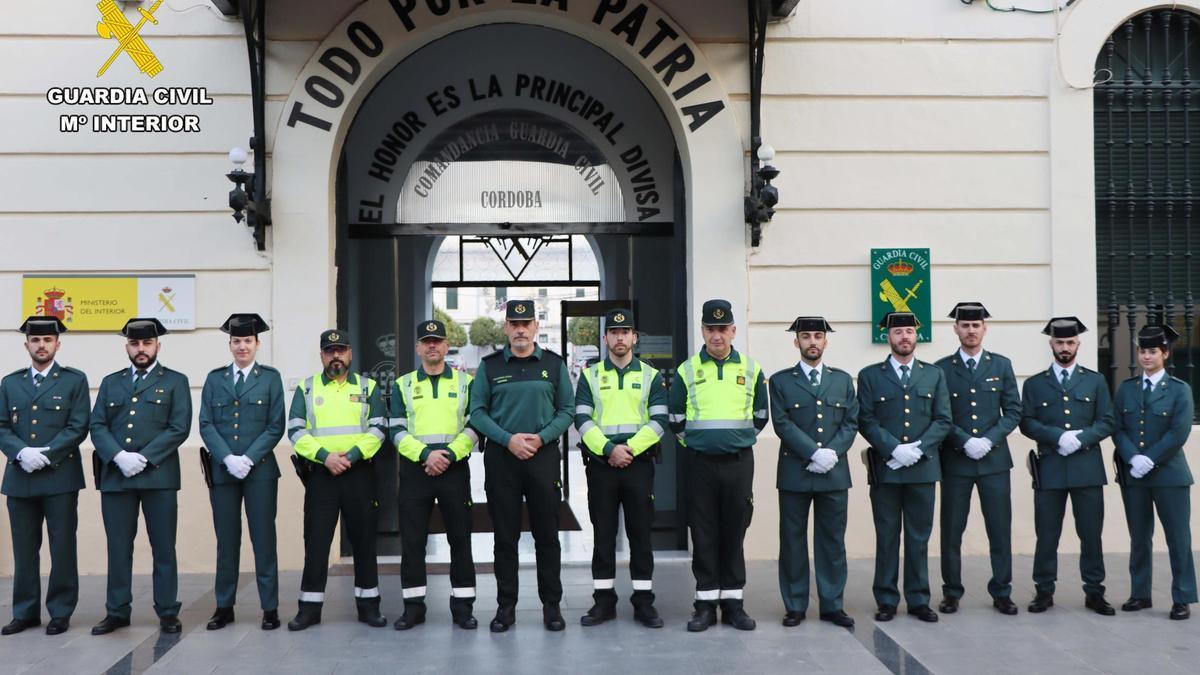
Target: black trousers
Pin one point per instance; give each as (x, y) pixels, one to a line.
(352, 496)
(536, 480)
(611, 491)
(720, 505)
(452, 491)
(60, 513)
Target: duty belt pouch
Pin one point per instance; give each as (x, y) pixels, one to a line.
(96, 468)
(656, 453)
(1120, 471)
(584, 454)
(869, 462)
(1033, 463)
(304, 468)
(206, 466)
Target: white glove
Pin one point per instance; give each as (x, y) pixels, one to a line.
(1140, 465)
(976, 448)
(1068, 442)
(238, 465)
(130, 463)
(32, 459)
(894, 465)
(816, 467)
(825, 458)
(907, 454)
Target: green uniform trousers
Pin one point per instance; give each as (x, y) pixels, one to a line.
(1049, 507)
(25, 516)
(260, 498)
(1174, 507)
(120, 512)
(829, 547)
(995, 500)
(907, 505)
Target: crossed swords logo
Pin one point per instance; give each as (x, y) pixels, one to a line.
(114, 25)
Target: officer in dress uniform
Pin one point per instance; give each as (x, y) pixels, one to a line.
(336, 426)
(904, 413)
(142, 415)
(1153, 420)
(521, 402)
(815, 413)
(1068, 411)
(43, 419)
(718, 404)
(428, 424)
(986, 408)
(621, 414)
(241, 422)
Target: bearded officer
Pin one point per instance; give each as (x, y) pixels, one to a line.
(718, 404)
(815, 414)
(428, 424)
(1153, 421)
(904, 415)
(986, 409)
(621, 414)
(241, 422)
(1068, 411)
(43, 419)
(336, 426)
(142, 415)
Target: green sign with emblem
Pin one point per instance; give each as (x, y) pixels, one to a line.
(900, 283)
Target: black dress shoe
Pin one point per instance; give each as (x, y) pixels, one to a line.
(18, 625)
(468, 622)
(270, 620)
(885, 613)
(1135, 604)
(552, 617)
(647, 616)
(1099, 605)
(598, 614)
(737, 617)
(948, 605)
(505, 618)
(220, 618)
(792, 619)
(58, 626)
(924, 613)
(1005, 606)
(839, 618)
(1180, 611)
(1041, 602)
(704, 616)
(170, 625)
(108, 624)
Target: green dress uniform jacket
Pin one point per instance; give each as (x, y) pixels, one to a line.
(806, 419)
(983, 404)
(890, 415)
(1049, 410)
(152, 418)
(250, 423)
(55, 415)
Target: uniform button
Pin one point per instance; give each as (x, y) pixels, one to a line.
(1141, 421)
(905, 438)
(795, 406)
(819, 402)
(1066, 398)
(132, 412)
(973, 404)
(235, 438)
(906, 397)
(974, 431)
(1067, 425)
(974, 417)
(907, 424)
(33, 435)
(33, 421)
(906, 411)
(819, 415)
(1066, 412)
(35, 407)
(972, 391)
(236, 403)
(129, 426)
(237, 414)
(128, 440)
(1141, 445)
(819, 430)
(260, 402)
(235, 425)
(134, 399)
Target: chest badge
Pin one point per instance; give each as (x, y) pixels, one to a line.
(545, 375)
(741, 380)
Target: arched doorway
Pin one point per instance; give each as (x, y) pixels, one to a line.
(546, 141)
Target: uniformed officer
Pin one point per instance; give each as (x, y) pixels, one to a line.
(718, 404)
(1068, 411)
(521, 402)
(986, 408)
(43, 419)
(336, 424)
(904, 414)
(815, 414)
(621, 414)
(241, 422)
(142, 415)
(1153, 420)
(428, 424)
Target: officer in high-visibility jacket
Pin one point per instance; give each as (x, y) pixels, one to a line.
(428, 424)
(336, 424)
(621, 413)
(718, 404)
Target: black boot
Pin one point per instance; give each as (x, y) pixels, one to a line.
(704, 616)
(604, 608)
(309, 615)
(368, 612)
(462, 613)
(414, 614)
(645, 614)
(733, 614)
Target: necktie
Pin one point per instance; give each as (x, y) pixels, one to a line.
(971, 365)
(37, 380)
(241, 380)
(904, 375)
(1146, 391)
(813, 379)
(1065, 376)
(139, 375)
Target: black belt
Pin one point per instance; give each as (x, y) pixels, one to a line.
(723, 456)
